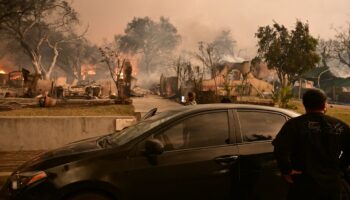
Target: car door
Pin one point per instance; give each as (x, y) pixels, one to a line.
(259, 174)
(196, 163)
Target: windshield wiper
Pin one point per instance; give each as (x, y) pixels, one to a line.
(105, 141)
(149, 114)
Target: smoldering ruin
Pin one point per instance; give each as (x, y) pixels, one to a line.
(58, 64)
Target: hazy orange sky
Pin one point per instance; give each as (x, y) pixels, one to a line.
(198, 20)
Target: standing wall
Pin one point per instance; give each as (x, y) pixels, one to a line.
(43, 133)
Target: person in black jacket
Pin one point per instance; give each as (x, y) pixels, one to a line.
(313, 151)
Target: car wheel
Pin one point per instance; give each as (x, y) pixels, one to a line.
(89, 196)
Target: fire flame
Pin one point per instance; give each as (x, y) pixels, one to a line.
(88, 70)
(91, 72)
(6, 65)
(135, 68)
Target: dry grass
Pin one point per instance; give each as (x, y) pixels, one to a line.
(339, 111)
(73, 111)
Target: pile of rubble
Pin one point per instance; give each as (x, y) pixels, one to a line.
(20, 89)
(82, 90)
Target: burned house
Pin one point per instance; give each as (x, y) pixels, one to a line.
(22, 83)
(231, 79)
(3, 79)
(235, 79)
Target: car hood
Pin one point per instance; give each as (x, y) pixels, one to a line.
(68, 153)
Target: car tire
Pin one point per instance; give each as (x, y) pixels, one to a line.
(89, 196)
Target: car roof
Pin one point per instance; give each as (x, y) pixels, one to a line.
(208, 107)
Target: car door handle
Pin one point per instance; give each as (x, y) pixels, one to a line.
(226, 160)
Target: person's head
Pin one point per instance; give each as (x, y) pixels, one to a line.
(191, 96)
(315, 100)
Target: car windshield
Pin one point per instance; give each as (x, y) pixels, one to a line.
(133, 132)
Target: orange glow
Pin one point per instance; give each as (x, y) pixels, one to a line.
(135, 69)
(16, 76)
(91, 72)
(88, 70)
(6, 65)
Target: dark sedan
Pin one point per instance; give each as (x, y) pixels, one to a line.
(216, 151)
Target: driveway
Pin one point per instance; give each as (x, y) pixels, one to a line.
(144, 104)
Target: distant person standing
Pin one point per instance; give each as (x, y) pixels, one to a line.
(190, 99)
(313, 152)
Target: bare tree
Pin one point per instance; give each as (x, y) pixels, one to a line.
(341, 45)
(179, 65)
(115, 61)
(36, 23)
(325, 50)
(212, 54)
(207, 54)
(55, 44)
(77, 53)
(10, 8)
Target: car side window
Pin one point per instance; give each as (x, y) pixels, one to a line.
(204, 130)
(259, 126)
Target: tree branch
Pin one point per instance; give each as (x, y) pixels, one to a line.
(342, 60)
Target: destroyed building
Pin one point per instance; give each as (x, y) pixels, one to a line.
(228, 80)
(22, 83)
(235, 75)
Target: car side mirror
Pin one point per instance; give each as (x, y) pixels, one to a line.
(154, 147)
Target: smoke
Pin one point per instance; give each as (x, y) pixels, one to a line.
(12, 57)
(6, 65)
(148, 81)
(342, 71)
(197, 31)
